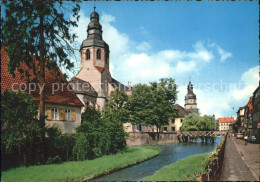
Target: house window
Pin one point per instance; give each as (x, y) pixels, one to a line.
(87, 54)
(54, 114)
(164, 128)
(67, 114)
(98, 54)
(173, 121)
(173, 128)
(181, 120)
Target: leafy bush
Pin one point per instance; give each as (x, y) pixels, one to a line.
(58, 144)
(100, 135)
(20, 132)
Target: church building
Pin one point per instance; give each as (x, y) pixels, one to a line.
(94, 83)
(191, 100)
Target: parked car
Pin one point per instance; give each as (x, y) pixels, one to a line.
(240, 136)
(252, 139)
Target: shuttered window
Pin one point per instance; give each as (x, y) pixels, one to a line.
(48, 112)
(62, 114)
(73, 115)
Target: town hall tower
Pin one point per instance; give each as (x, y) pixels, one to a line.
(191, 100)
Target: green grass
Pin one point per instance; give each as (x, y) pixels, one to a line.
(179, 170)
(79, 170)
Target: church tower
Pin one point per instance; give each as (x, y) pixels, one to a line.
(95, 58)
(191, 100)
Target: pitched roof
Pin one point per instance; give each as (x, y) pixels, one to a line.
(181, 111)
(226, 120)
(52, 82)
(82, 87)
(117, 84)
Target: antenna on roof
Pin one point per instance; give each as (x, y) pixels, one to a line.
(189, 78)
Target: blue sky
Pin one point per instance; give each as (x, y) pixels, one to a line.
(216, 43)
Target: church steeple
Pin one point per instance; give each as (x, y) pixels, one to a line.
(94, 32)
(191, 100)
(95, 58)
(190, 88)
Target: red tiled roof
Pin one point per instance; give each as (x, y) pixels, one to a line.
(226, 120)
(62, 96)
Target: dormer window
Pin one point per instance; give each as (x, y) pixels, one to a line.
(87, 54)
(98, 54)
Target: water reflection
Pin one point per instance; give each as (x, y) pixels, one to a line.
(169, 154)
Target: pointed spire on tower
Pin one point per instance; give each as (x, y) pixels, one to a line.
(94, 7)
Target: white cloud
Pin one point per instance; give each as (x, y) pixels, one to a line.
(185, 66)
(249, 80)
(223, 54)
(221, 100)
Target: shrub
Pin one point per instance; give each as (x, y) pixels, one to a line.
(98, 135)
(58, 144)
(20, 131)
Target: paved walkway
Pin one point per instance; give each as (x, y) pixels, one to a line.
(251, 155)
(234, 168)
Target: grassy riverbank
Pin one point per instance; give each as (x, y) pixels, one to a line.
(79, 170)
(180, 170)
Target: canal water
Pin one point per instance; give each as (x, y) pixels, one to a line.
(169, 154)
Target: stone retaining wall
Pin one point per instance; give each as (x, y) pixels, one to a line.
(150, 138)
(214, 169)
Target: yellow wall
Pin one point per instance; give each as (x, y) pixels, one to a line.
(65, 126)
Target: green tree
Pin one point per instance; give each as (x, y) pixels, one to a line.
(93, 138)
(38, 30)
(140, 105)
(115, 113)
(194, 122)
(19, 130)
(191, 123)
(153, 104)
(117, 106)
(165, 95)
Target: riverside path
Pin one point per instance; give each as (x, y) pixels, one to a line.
(233, 167)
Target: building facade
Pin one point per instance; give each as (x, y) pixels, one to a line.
(191, 100)
(94, 83)
(223, 124)
(176, 122)
(256, 113)
(240, 123)
(249, 118)
(62, 106)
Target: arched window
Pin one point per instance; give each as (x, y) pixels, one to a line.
(87, 54)
(98, 54)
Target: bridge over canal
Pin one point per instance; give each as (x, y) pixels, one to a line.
(200, 133)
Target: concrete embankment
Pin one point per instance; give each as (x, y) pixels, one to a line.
(150, 138)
